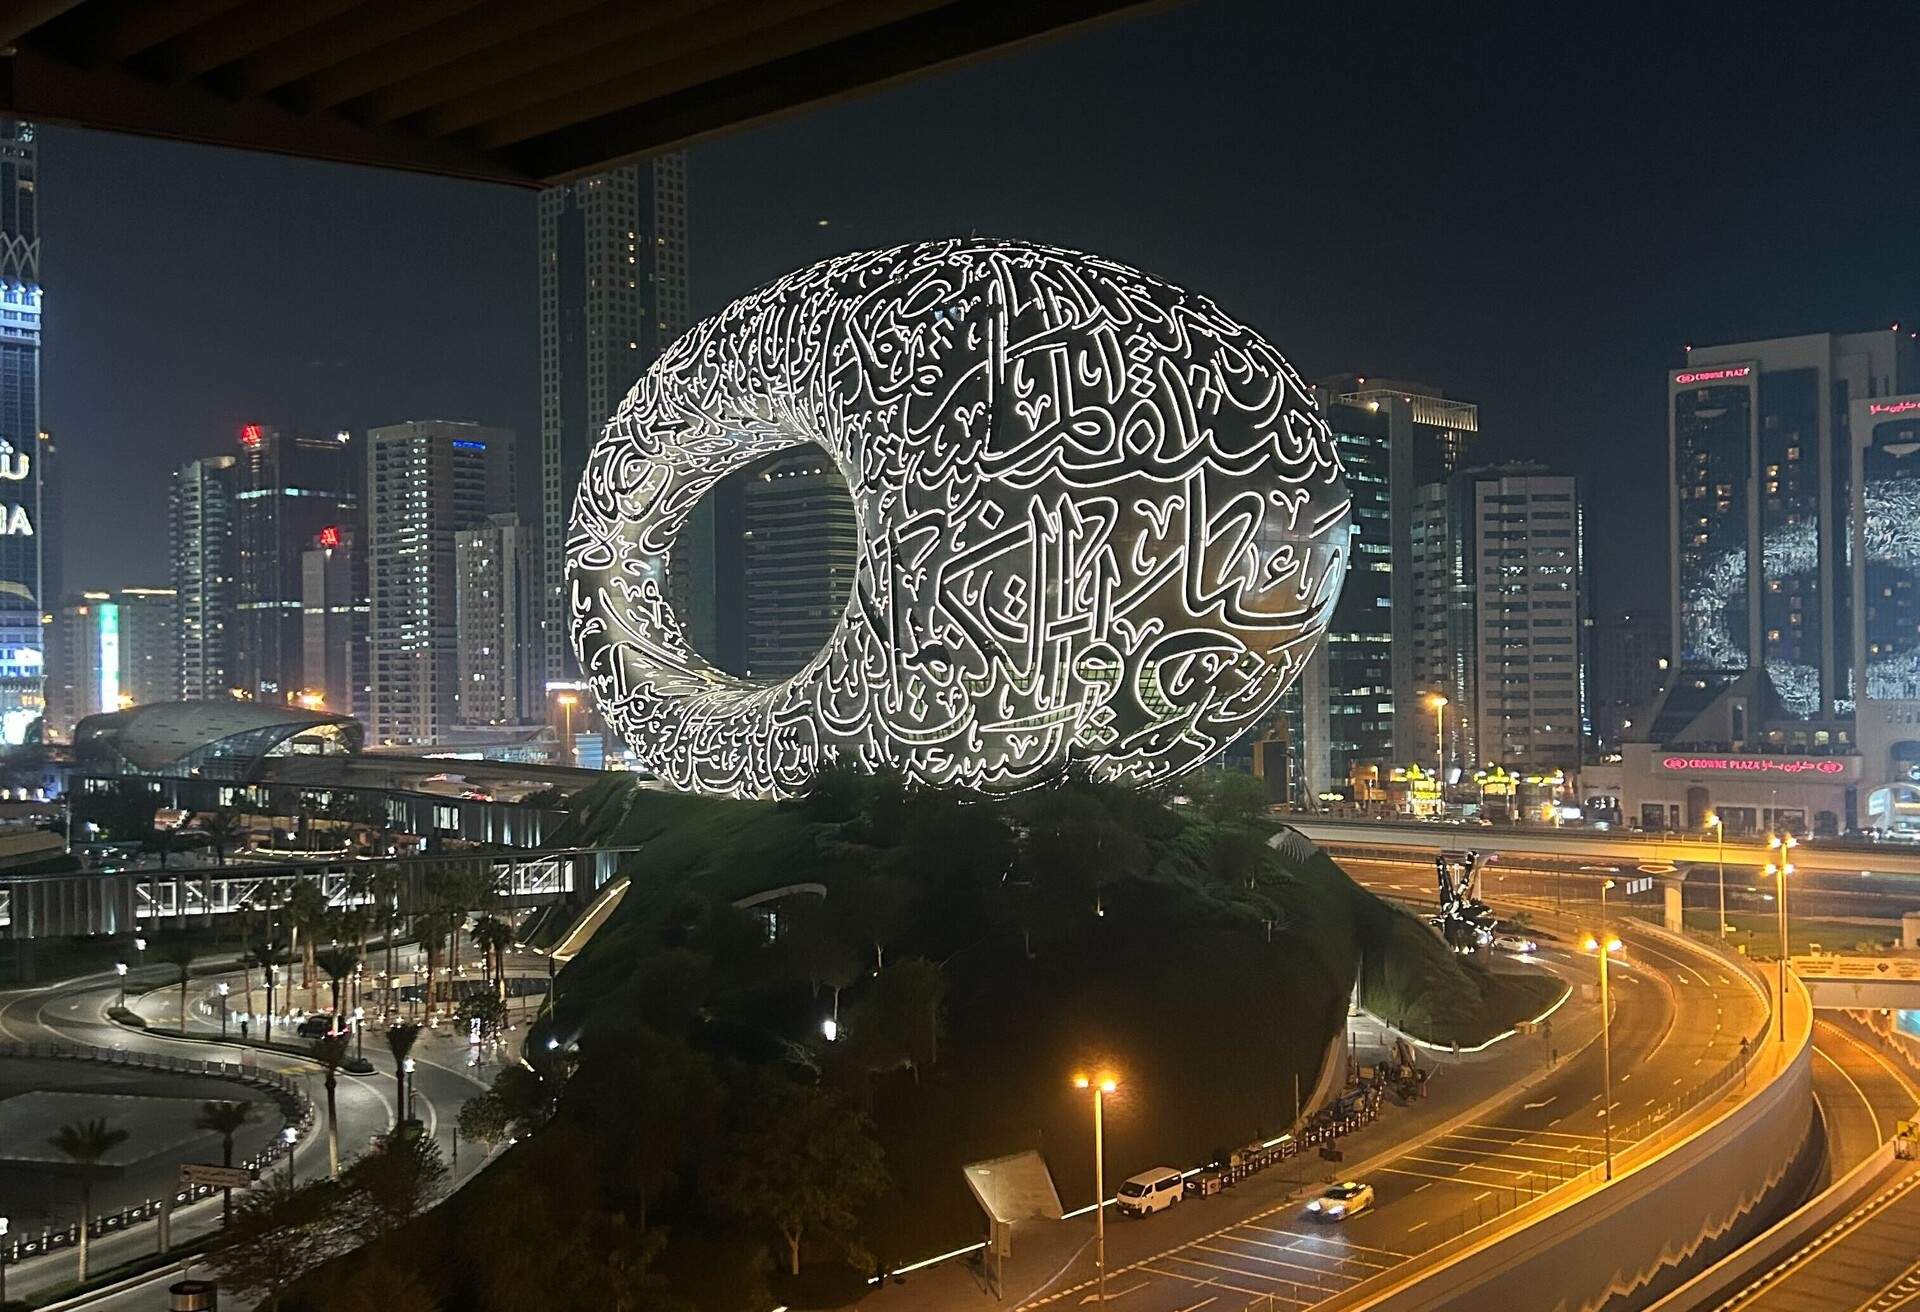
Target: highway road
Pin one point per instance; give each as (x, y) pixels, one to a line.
(75, 1012)
(1679, 1017)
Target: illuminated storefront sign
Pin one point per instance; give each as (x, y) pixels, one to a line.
(1711, 375)
(1826, 765)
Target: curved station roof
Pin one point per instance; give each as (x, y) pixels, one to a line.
(224, 738)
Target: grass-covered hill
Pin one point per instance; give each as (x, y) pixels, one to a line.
(980, 953)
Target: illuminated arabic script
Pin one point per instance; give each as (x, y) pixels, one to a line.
(1099, 522)
(1752, 765)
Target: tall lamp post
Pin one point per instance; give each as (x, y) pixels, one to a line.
(1718, 824)
(567, 700)
(1780, 869)
(120, 969)
(1101, 1085)
(1604, 946)
(221, 988)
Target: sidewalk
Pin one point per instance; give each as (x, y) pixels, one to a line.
(1048, 1255)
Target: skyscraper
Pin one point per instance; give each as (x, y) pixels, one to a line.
(613, 292)
(1429, 437)
(333, 619)
(26, 524)
(800, 546)
(290, 488)
(426, 481)
(1630, 653)
(1885, 534)
(493, 601)
(1760, 501)
(1346, 690)
(1496, 558)
(113, 650)
(202, 524)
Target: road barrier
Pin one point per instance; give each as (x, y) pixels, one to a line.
(296, 1108)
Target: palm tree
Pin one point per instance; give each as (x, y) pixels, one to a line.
(306, 911)
(386, 893)
(340, 962)
(179, 955)
(435, 928)
(331, 1053)
(224, 1119)
(493, 937)
(400, 1041)
(221, 828)
(86, 1143)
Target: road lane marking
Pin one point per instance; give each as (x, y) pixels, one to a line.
(1342, 1241)
(1854, 1084)
(1547, 1103)
(1303, 1252)
(1421, 1226)
(1273, 1261)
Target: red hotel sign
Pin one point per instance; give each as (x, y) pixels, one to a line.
(1751, 765)
(1711, 375)
(1893, 408)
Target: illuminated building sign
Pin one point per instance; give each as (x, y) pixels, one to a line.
(250, 435)
(109, 656)
(15, 467)
(1101, 525)
(1712, 375)
(466, 444)
(1815, 765)
(1893, 407)
(328, 537)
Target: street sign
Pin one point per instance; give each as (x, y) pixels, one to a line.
(219, 1177)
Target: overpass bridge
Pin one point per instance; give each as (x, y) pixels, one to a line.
(77, 903)
(1813, 855)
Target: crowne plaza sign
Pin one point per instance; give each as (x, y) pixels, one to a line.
(1807, 769)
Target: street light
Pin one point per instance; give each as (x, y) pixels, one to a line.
(290, 1136)
(1719, 826)
(1439, 704)
(1102, 1085)
(566, 700)
(221, 988)
(120, 969)
(1784, 844)
(359, 1032)
(1612, 946)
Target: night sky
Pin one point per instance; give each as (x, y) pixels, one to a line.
(1533, 213)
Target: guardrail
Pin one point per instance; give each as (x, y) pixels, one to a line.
(296, 1108)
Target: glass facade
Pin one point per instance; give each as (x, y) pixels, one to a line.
(1712, 470)
(1792, 619)
(25, 484)
(1890, 622)
(1360, 637)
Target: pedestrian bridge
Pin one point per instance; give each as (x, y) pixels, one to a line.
(1861, 983)
(92, 902)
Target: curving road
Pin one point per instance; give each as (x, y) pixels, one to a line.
(75, 1012)
(1679, 1017)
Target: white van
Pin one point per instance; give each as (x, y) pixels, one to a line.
(1152, 1191)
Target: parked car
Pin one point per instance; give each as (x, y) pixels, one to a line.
(1152, 1191)
(1341, 1201)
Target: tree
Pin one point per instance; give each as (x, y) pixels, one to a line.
(898, 1022)
(485, 1008)
(1231, 797)
(873, 908)
(400, 1041)
(394, 1182)
(331, 1052)
(179, 954)
(813, 949)
(340, 962)
(1238, 856)
(225, 1119)
(493, 937)
(801, 1161)
(280, 1232)
(306, 914)
(86, 1143)
(221, 828)
(519, 1102)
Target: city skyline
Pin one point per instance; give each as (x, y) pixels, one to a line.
(419, 296)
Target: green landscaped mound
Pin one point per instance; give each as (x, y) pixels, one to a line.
(981, 953)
